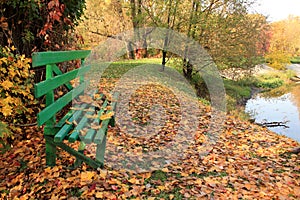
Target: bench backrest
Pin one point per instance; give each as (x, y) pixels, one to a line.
(55, 78)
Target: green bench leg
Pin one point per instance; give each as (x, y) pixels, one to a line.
(112, 121)
(101, 151)
(50, 153)
(87, 160)
(78, 161)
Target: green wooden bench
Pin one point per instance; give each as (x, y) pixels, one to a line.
(82, 116)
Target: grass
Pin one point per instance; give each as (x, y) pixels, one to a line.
(237, 92)
(119, 68)
(212, 173)
(295, 60)
(159, 175)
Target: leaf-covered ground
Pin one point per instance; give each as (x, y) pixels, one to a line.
(247, 162)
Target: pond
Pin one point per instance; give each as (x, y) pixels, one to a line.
(284, 108)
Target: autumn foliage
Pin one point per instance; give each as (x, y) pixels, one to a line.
(39, 25)
(284, 42)
(16, 99)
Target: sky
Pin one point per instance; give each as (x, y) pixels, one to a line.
(278, 9)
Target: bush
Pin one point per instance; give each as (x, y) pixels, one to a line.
(16, 83)
(278, 60)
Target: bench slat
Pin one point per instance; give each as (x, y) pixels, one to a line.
(91, 133)
(52, 109)
(83, 123)
(101, 132)
(88, 139)
(45, 86)
(62, 121)
(63, 132)
(53, 57)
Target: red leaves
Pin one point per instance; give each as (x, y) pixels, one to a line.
(55, 14)
(3, 23)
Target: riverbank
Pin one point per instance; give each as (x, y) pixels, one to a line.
(263, 79)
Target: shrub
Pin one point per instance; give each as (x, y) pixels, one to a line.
(278, 60)
(16, 99)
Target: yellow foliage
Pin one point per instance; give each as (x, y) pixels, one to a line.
(16, 84)
(278, 59)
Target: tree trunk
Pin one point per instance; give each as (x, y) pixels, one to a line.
(187, 67)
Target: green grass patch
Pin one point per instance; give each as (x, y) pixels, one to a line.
(159, 175)
(273, 79)
(119, 68)
(237, 92)
(295, 60)
(237, 89)
(207, 174)
(74, 192)
(175, 192)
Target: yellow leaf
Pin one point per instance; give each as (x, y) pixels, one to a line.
(6, 110)
(99, 195)
(48, 170)
(97, 96)
(134, 181)
(60, 93)
(107, 116)
(184, 174)
(198, 182)
(103, 173)
(87, 176)
(165, 170)
(161, 187)
(3, 60)
(12, 73)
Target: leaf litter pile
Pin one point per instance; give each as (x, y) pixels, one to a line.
(247, 161)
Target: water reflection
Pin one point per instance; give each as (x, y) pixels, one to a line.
(278, 109)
